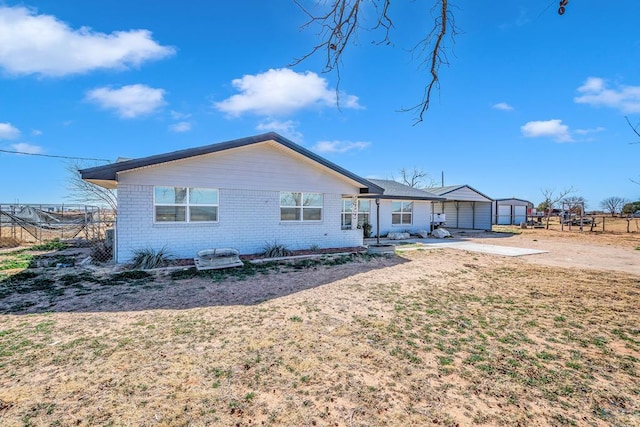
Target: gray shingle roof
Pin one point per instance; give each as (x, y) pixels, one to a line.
(397, 190)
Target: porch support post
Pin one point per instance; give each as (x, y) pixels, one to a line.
(354, 212)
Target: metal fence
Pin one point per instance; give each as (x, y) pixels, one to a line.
(75, 225)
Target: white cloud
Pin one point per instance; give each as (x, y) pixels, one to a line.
(281, 91)
(286, 129)
(589, 131)
(42, 44)
(547, 128)
(595, 92)
(176, 115)
(339, 146)
(128, 101)
(180, 127)
(8, 131)
(36, 132)
(502, 106)
(23, 147)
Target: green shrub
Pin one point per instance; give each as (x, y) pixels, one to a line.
(275, 250)
(150, 258)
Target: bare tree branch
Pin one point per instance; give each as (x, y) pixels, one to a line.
(84, 192)
(634, 128)
(432, 47)
(339, 27)
(551, 198)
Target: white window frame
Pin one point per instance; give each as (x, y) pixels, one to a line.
(301, 207)
(402, 212)
(347, 213)
(187, 205)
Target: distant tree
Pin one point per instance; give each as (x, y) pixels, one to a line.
(415, 178)
(551, 199)
(81, 191)
(574, 204)
(613, 204)
(630, 208)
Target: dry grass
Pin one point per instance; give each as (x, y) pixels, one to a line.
(439, 337)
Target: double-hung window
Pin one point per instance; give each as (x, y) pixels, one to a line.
(401, 213)
(364, 211)
(300, 206)
(185, 204)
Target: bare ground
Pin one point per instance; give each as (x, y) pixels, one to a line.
(442, 337)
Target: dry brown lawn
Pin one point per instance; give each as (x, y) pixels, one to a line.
(429, 337)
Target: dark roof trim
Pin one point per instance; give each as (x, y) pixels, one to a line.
(109, 172)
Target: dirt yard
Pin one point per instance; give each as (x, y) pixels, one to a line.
(428, 337)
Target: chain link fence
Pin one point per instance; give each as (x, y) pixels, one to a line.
(90, 228)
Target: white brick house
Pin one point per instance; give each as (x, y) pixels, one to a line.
(242, 194)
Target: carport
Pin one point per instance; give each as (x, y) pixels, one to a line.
(464, 207)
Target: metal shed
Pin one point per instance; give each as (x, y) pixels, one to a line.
(464, 208)
(510, 211)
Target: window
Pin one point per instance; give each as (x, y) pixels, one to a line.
(182, 204)
(300, 206)
(401, 213)
(364, 210)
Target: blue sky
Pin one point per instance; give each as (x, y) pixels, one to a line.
(529, 101)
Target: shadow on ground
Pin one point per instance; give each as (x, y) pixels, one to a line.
(41, 290)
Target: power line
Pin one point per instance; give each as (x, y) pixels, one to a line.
(51, 155)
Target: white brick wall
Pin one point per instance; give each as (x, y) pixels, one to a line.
(421, 218)
(248, 219)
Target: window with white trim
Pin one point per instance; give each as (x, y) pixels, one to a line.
(364, 212)
(300, 206)
(401, 213)
(184, 204)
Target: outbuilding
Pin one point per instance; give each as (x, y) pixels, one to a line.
(464, 207)
(510, 211)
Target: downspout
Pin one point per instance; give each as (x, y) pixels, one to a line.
(377, 220)
(473, 213)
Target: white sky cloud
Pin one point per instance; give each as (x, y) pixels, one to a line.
(281, 91)
(23, 147)
(339, 146)
(547, 128)
(180, 127)
(36, 132)
(589, 131)
(176, 115)
(286, 128)
(8, 131)
(502, 106)
(41, 44)
(128, 101)
(595, 92)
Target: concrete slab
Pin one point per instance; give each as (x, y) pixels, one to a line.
(474, 247)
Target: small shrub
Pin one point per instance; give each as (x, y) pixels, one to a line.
(275, 250)
(150, 258)
(366, 230)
